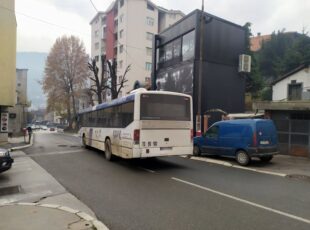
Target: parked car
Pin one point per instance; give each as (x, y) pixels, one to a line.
(240, 139)
(5, 160)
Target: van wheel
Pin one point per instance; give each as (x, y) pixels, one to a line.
(108, 150)
(242, 158)
(266, 158)
(196, 150)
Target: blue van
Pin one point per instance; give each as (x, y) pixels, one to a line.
(241, 139)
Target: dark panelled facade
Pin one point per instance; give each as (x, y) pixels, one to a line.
(177, 60)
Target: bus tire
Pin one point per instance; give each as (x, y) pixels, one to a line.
(108, 150)
(84, 141)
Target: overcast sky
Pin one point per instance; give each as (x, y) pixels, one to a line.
(40, 22)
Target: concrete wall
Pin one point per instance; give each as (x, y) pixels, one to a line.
(7, 53)
(280, 89)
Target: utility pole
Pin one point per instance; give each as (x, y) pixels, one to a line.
(201, 51)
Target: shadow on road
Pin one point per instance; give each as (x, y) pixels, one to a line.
(154, 163)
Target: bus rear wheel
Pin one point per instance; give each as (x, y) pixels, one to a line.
(108, 150)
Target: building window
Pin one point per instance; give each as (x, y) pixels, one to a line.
(97, 45)
(121, 3)
(188, 47)
(150, 7)
(96, 33)
(121, 18)
(150, 21)
(121, 33)
(176, 48)
(121, 48)
(148, 66)
(294, 91)
(148, 51)
(103, 20)
(149, 36)
(120, 64)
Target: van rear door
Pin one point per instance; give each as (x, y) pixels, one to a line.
(266, 134)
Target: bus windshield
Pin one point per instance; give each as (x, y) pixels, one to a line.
(165, 107)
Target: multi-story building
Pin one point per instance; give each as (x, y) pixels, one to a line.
(18, 113)
(125, 32)
(7, 63)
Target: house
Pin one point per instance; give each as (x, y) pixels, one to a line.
(290, 111)
(125, 32)
(177, 60)
(7, 64)
(257, 41)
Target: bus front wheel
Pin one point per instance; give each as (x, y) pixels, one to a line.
(84, 141)
(108, 150)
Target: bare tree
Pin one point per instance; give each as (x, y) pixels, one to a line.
(66, 72)
(101, 84)
(112, 72)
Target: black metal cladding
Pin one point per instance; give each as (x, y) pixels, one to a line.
(222, 86)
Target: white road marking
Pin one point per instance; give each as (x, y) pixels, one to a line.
(227, 164)
(244, 201)
(148, 170)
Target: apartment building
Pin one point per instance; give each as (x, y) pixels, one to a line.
(18, 113)
(125, 32)
(7, 63)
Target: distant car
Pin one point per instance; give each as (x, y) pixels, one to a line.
(52, 129)
(240, 139)
(5, 160)
(43, 127)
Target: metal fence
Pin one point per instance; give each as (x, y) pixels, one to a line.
(294, 137)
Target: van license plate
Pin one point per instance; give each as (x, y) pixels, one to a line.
(264, 142)
(165, 148)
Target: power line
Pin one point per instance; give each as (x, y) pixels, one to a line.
(94, 5)
(43, 21)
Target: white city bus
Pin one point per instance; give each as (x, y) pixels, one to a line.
(140, 125)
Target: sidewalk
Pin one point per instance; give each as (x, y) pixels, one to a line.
(31, 216)
(48, 204)
(16, 142)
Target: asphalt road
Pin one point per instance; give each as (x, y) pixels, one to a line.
(174, 192)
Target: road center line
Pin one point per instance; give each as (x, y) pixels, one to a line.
(148, 170)
(244, 201)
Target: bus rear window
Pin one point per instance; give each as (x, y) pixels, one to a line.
(164, 107)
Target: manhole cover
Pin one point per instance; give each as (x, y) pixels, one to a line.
(10, 190)
(62, 145)
(299, 177)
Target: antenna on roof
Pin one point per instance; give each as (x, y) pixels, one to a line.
(203, 5)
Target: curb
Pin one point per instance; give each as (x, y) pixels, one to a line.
(24, 146)
(227, 164)
(96, 223)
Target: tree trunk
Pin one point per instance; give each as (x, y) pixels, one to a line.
(69, 112)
